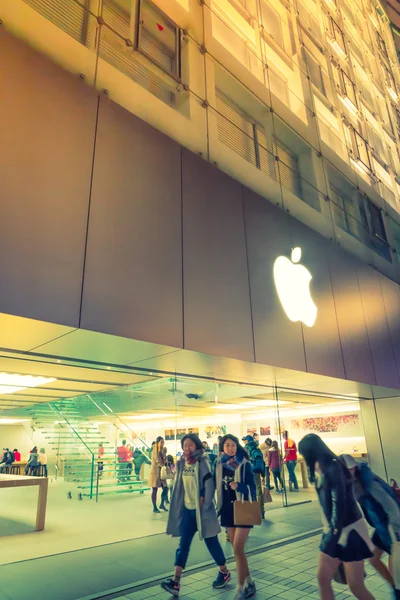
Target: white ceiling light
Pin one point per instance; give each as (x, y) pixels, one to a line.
(245, 405)
(12, 382)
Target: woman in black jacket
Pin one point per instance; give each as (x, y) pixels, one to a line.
(345, 538)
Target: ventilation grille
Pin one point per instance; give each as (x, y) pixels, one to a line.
(287, 169)
(235, 131)
(68, 15)
(114, 51)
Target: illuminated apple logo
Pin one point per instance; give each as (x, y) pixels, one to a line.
(292, 282)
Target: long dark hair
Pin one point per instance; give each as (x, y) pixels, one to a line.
(314, 450)
(195, 439)
(240, 451)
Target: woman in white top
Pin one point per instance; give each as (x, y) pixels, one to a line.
(192, 509)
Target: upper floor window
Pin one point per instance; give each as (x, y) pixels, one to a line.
(337, 38)
(382, 45)
(360, 151)
(158, 38)
(348, 90)
(287, 170)
(272, 23)
(241, 133)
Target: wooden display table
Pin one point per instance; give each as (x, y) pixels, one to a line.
(12, 481)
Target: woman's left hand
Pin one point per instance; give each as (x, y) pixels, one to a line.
(234, 485)
(201, 501)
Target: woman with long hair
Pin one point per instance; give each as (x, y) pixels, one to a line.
(192, 509)
(381, 509)
(158, 461)
(345, 538)
(235, 481)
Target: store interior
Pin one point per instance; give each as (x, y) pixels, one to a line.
(70, 429)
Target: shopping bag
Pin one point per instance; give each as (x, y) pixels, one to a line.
(267, 495)
(340, 575)
(163, 473)
(246, 512)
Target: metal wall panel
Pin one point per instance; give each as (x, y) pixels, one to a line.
(133, 275)
(372, 437)
(47, 125)
(391, 299)
(278, 341)
(216, 289)
(322, 341)
(350, 315)
(387, 411)
(378, 328)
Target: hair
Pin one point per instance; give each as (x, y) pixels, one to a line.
(42, 451)
(240, 451)
(15, 450)
(314, 450)
(269, 442)
(34, 449)
(170, 458)
(255, 434)
(285, 434)
(274, 444)
(194, 438)
(123, 442)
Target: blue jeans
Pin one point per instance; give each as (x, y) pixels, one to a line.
(188, 529)
(291, 465)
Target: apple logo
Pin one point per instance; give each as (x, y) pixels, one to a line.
(292, 282)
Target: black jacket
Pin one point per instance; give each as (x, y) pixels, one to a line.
(336, 496)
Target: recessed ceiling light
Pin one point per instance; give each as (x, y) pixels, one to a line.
(12, 382)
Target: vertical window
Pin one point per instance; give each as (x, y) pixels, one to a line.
(271, 21)
(382, 45)
(315, 72)
(158, 38)
(348, 90)
(287, 170)
(360, 150)
(372, 219)
(345, 213)
(337, 37)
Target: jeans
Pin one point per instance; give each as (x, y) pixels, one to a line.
(278, 479)
(291, 465)
(267, 477)
(164, 494)
(259, 491)
(188, 529)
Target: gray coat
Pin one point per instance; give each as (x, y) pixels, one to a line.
(207, 520)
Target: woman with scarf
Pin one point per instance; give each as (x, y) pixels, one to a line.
(158, 461)
(235, 481)
(192, 509)
(345, 538)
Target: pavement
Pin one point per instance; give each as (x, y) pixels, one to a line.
(284, 571)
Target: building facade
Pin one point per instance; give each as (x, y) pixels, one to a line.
(201, 199)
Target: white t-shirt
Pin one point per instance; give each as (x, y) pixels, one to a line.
(189, 486)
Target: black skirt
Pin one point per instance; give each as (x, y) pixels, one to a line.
(355, 550)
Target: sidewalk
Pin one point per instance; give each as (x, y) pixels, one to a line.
(286, 573)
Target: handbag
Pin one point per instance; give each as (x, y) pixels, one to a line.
(340, 575)
(163, 473)
(267, 495)
(246, 512)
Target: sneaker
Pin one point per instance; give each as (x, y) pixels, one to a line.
(163, 507)
(222, 579)
(250, 590)
(239, 595)
(171, 586)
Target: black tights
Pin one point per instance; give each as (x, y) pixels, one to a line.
(154, 496)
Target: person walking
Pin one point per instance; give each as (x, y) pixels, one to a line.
(192, 509)
(264, 447)
(158, 461)
(291, 461)
(275, 465)
(381, 509)
(122, 455)
(345, 538)
(258, 466)
(235, 481)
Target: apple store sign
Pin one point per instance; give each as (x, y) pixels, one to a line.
(292, 282)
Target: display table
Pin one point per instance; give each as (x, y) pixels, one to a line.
(13, 481)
